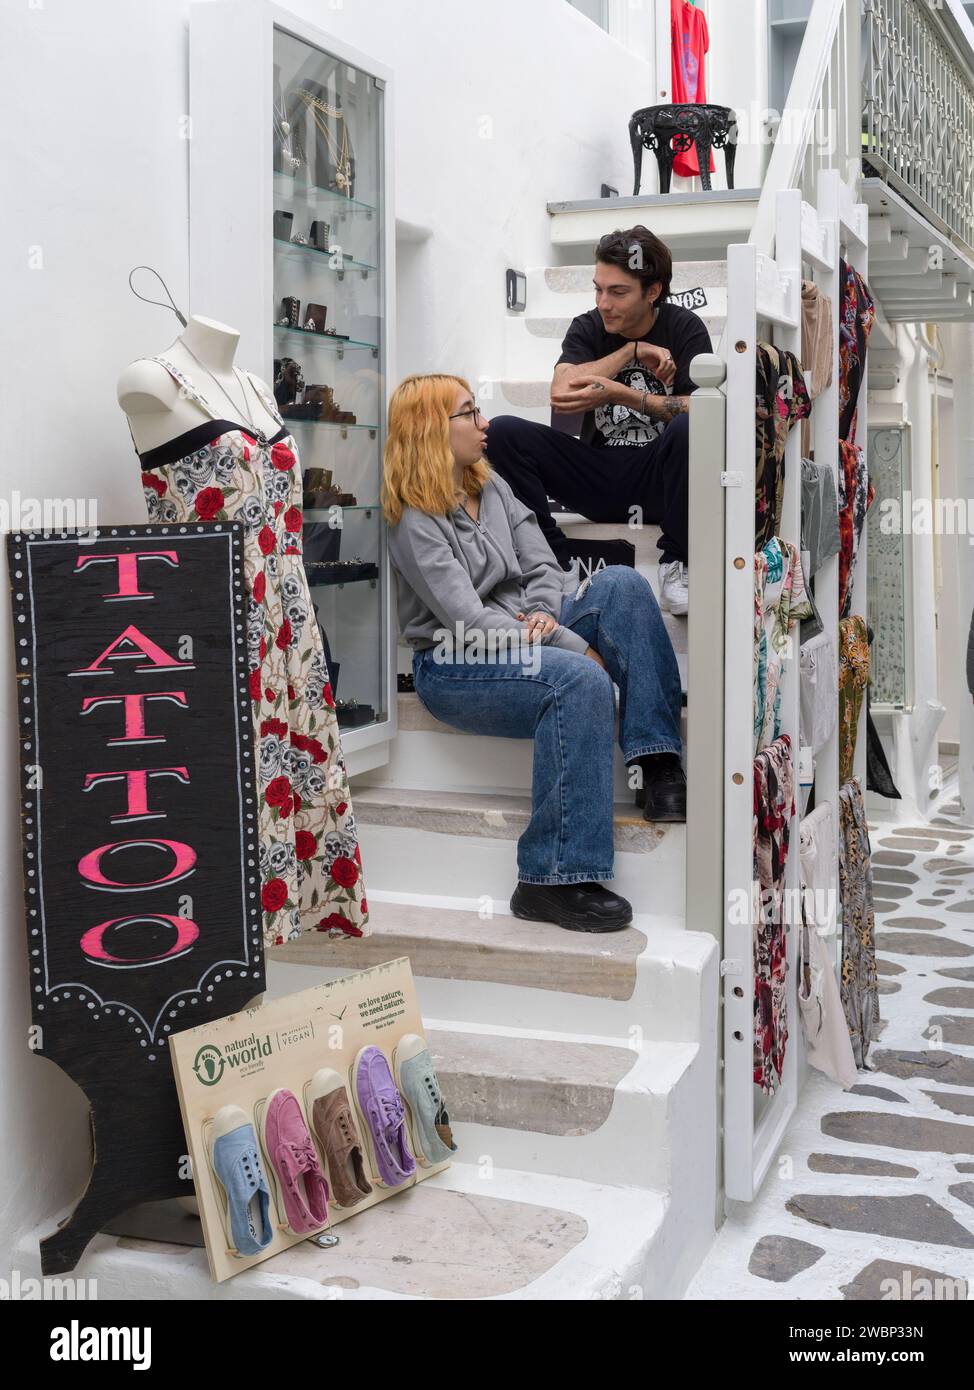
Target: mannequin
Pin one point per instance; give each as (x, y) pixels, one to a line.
(213, 448)
(159, 411)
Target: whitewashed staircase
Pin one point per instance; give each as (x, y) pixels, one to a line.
(575, 1066)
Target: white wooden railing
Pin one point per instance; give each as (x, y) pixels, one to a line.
(807, 218)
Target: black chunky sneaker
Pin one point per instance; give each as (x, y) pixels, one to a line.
(663, 794)
(574, 906)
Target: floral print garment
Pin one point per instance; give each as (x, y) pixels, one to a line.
(780, 601)
(857, 314)
(310, 863)
(781, 398)
(853, 679)
(859, 987)
(774, 806)
(856, 494)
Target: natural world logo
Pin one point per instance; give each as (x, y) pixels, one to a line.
(209, 1065)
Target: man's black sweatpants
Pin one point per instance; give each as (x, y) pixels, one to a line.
(600, 483)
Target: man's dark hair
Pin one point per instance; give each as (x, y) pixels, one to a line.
(638, 252)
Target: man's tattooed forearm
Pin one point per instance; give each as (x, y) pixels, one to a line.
(666, 408)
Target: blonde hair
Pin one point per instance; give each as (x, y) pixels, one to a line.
(418, 460)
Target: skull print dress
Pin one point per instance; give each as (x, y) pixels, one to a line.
(310, 864)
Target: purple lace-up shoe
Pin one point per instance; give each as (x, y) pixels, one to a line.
(383, 1117)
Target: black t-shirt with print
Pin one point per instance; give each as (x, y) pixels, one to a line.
(680, 331)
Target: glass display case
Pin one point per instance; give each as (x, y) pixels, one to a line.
(304, 268)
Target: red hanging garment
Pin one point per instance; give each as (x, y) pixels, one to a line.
(689, 42)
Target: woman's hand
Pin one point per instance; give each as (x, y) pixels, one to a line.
(658, 360)
(584, 393)
(537, 626)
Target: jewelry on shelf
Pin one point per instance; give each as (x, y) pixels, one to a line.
(338, 149)
(283, 127)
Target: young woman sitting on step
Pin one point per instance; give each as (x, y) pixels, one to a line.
(506, 642)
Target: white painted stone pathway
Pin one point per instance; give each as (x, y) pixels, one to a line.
(901, 1224)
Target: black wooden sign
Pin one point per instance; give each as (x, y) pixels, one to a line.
(139, 829)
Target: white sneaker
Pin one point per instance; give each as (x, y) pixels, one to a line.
(674, 592)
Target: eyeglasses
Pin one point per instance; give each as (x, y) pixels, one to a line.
(472, 414)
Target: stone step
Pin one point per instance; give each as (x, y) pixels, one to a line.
(557, 291)
(475, 1231)
(488, 968)
(540, 1085)
(493, 816)
(414, 717)
(695, 226)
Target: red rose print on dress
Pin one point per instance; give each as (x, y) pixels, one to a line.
(278, 795)
(337, 922)
(307, 744)
(341, 808)
(273, 726)
(260, 587)
(293, 519)
(273, 895)
(255, 685)
(265, 540)
(327, 696)
(344, 871)
(282, 458)
(208, 503)
(283, 638)
(305, 844)
(157, 485)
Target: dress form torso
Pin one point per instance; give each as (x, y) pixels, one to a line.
(159, 410)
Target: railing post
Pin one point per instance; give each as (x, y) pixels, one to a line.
(705, 651)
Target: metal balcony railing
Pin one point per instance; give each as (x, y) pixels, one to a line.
(918, 111)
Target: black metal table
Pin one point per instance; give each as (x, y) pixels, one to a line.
(676, 128)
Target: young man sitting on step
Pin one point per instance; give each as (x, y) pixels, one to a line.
(626, 365)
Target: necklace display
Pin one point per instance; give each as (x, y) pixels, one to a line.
(258, 434)
(283, 127)
(338, 149)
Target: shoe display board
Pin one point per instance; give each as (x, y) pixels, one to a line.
(307, 1110)
(139, 829)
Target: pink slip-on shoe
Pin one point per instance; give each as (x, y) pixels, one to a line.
(294, 1164)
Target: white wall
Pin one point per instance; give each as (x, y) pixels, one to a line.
(501, 106)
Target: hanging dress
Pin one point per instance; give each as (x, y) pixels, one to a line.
(310, 864)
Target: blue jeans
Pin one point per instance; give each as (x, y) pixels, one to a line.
(564, 701)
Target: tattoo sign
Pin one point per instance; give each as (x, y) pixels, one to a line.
(139, 828)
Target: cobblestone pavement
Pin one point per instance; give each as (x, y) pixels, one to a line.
(872, 1192)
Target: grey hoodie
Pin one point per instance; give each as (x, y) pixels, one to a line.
(453, 570)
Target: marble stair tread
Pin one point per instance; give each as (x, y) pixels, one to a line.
(522, 1235)
(537, 1084)
(488, 815)
(454, 944)
(414, 717)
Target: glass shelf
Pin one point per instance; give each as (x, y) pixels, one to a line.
(329, 340)
(283, 247)
(321, 513)
(290, 187)
(329, 424)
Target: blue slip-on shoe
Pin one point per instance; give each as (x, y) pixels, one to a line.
(419, 1087)
(235, 1160)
